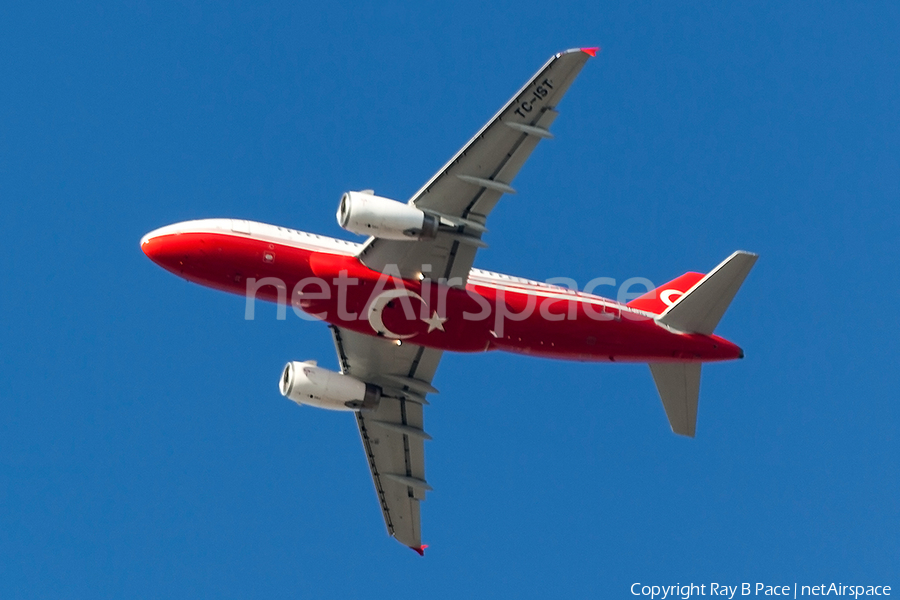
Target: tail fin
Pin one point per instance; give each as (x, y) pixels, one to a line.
(658, 300)
(698, 310)
(701, 308)
(678, 385)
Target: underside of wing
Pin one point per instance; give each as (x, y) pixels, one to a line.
(393, 436)
(468, 187)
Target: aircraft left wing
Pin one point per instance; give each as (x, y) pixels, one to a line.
(393, 436)
(468, 187)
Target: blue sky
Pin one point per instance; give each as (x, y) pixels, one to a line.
(144, 448)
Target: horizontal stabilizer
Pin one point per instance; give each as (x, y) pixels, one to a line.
(701, 308)
(678, 385)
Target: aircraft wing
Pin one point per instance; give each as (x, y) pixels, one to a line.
(392, 436)
(468, 187)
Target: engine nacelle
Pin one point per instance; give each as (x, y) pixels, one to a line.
(306, 383)
(367, 214)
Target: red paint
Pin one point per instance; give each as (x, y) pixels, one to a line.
(658, 300)
(420, 549)
(590, 51)
(601, 330)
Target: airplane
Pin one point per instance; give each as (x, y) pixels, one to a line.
(398, 301)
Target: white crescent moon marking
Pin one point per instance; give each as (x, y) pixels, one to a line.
(666, 296)
(377, 306)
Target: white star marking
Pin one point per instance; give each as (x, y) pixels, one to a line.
(435, 322)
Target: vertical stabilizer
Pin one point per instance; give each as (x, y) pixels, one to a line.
(658, 300)
(679, 387)
(701, 308)
(698, 310)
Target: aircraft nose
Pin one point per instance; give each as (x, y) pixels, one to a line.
(154, 247)
(162, 247)
(148, 247)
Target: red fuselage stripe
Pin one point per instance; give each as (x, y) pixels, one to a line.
(557, 323)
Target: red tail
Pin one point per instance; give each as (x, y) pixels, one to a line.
(664, 296)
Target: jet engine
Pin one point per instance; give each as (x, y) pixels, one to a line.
(367, 214)
(306, 383)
